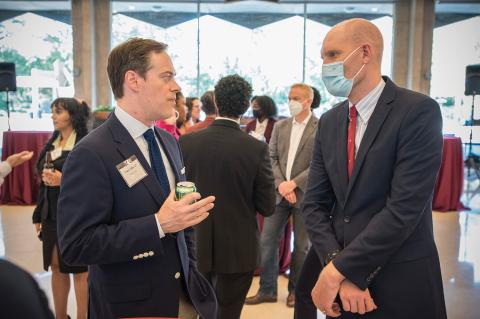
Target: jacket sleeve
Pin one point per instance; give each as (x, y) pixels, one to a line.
(264, 187)
(5, 169)
(318, 203)
(418, 158)
(273, 149)
(87, 232)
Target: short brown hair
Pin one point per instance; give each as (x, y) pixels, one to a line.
(133, 54)
(306, 88)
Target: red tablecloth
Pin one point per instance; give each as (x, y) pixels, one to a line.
(449, 187)
(21, 185)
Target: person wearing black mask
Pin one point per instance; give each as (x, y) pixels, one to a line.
(264, 111)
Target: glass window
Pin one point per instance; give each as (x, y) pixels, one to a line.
(40, 44)
(273, 45)
(456, 44)
(263, 42)
(172, 23)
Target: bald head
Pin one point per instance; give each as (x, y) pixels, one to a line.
(358, 32)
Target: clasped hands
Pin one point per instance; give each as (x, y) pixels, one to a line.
(330, 283)
(287, 190)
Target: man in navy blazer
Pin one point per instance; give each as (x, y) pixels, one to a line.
(117, 211)
(368, 204)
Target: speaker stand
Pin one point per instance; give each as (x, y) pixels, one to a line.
(8, 112)
(472, 160)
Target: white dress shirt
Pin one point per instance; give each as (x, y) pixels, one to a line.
(295, 137)
(365, 108)
(136, 129)
(260, 127)
(5, 169)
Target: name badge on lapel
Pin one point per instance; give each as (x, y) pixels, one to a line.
(131, 171)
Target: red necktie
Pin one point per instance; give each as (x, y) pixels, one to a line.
(352, 126)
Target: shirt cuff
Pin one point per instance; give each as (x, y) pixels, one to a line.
(160, 230)
(5, 168)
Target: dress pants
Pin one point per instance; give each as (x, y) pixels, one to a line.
(185, 307)
(231, 291)
(304, 306)
(273, 229)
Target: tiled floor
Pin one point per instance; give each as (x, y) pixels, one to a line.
(457, 236)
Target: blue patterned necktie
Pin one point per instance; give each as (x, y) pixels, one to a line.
(156, 161)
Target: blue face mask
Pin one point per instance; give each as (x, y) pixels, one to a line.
(334, 77)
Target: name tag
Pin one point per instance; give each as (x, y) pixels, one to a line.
(56, 153)
(131, 171)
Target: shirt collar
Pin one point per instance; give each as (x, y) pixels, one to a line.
(366, 105)
(228, 119)
(305, 121)
(133, 126)
(70, 141)
(264, 123)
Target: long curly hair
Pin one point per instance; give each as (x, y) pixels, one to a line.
(79, 116)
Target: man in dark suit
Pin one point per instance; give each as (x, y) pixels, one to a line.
(117, 211)
(368, 205)
(226, 162)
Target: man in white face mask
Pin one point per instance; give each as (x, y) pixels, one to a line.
(368, 204)
(291, 147)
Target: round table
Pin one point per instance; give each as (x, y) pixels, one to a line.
(449, 186)
(21, 185)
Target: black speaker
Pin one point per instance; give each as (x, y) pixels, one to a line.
(8, 79)
(472, 79)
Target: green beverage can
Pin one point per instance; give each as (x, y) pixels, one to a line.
(184, 188)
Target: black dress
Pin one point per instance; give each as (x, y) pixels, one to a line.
(46, 214)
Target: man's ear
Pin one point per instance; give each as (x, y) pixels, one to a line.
(366, 53)
(130, 81)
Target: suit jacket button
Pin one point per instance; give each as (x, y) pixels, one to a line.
(150, 253)
(145, 254)
(177, 275)
(135, 257)
(140, 256)
(346, 219)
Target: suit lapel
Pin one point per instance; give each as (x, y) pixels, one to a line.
(342, 122)
(379, 115)
(309, 129)
(127, 147)
(286, 137)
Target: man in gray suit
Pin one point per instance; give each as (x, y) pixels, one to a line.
(290, 151)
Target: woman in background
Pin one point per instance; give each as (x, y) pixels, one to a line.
(181, 108)
(170, 124)
(70, 118)
(264, 112)
(193, 111)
